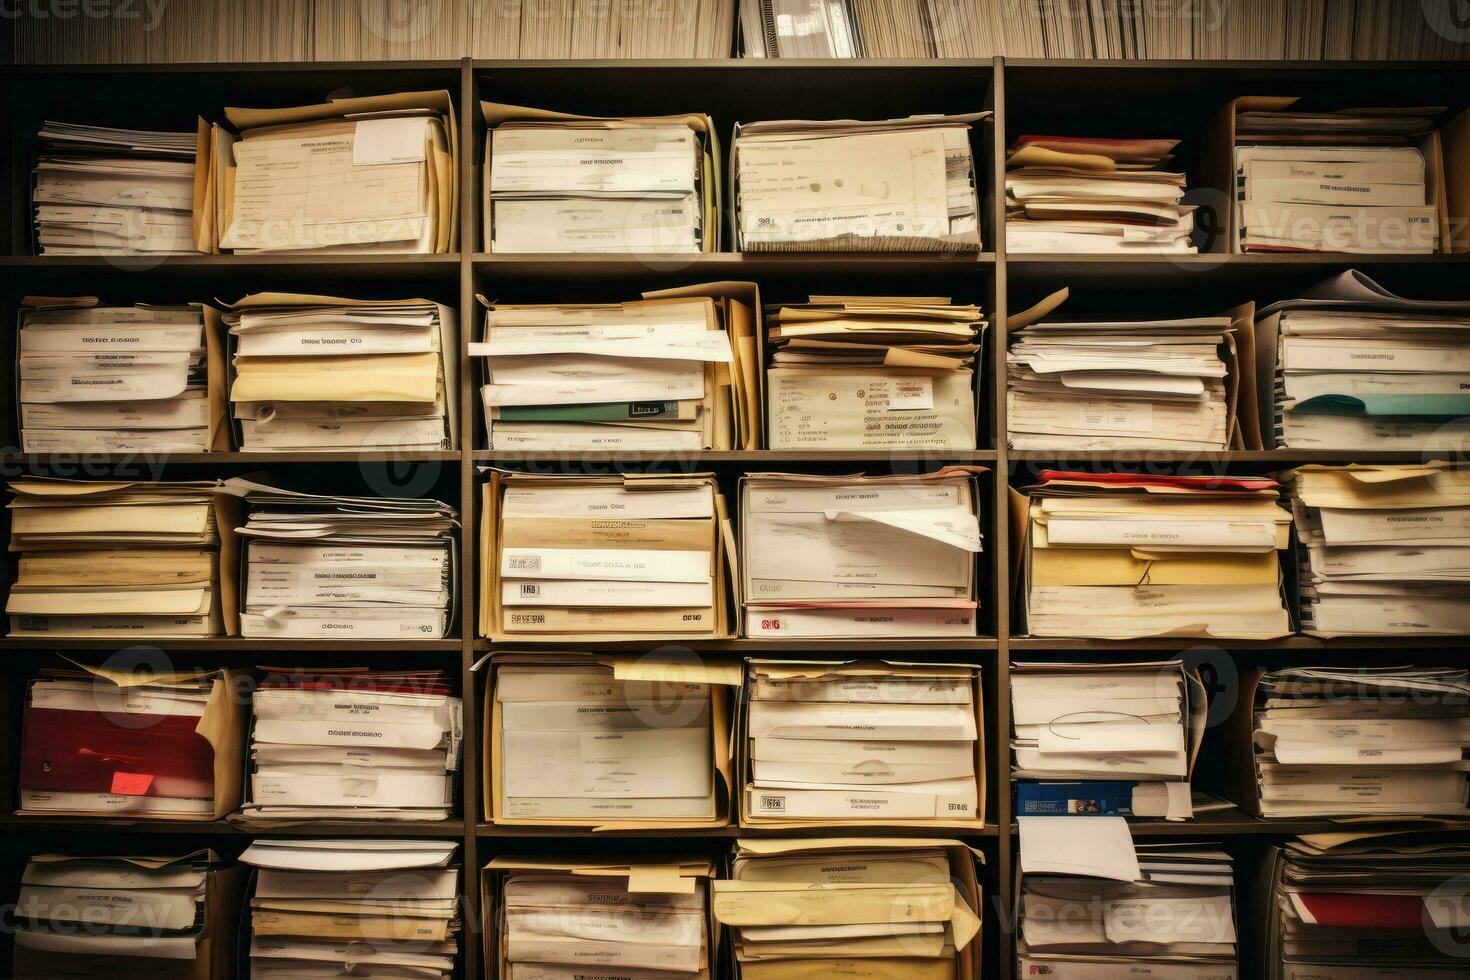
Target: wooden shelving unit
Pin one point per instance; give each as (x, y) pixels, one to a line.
(1173, 99)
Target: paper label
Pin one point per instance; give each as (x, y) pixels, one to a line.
(379, 141)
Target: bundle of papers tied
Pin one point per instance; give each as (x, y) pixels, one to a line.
(1087, 194)
(872, 372)
(884, 556)
(563, 183)
(1119, 556)
(895, 185)
(385, 908)
(326, 373)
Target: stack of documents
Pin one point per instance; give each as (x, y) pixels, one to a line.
(557, 920)
(1334, 181)
(113, 558)
(105, 191)
(371, 568)
(697, 29)
(1095, 904)
(1340, 742)
(1125, 384)
(319, 372)
(1358, 367)
(565, 183)
(578, 740)
(1105, 739)
(873, 372)
(636, 555)
(1376, 903)
(675, 373)
(101, 917)
(371, 174)
(886, 909)
(354, 745)
(862, 556)
(871, 742)
(895, 185)
(1118, 556)
(113, 379)
(382, 908)
(1385, 550)
(99, 742)
(1084, 194)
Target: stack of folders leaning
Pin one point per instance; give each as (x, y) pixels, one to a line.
(383, 177)
(105, 191)
(557, 920)
(1093, 903)
(619, 556)
(677, 372)
(119, 379)
(120, 559)
(321, 372)
(371, 568)
(1083, 194)
(884, 909)
(98, 742)
(567, 183)
(100, 917)
(873, 372)
(862, 743)
(584, 741)
(1129, 384)
(380, 908)
(1358, 367)
(353, 745)
(1106, 739)
(1354, 742)
(895, 185)
(1385, 549)
(1121, 556)
(1345, 181)
(1375, 903)
(880, 556)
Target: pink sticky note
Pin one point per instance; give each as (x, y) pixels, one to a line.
(131, 783)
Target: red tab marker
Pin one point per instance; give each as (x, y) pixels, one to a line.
(131, 783)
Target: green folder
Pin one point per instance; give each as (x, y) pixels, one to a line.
(1423, 406)
(596, 412)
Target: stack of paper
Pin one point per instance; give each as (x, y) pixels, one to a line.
(615, 556)
(895, 185)
(372, 568)
(1095, 904)
(319, 372)
(371, 174)
(112, 379)
(800, 29)
(852, 907)
(564, 183)
(1084, 194)
(101, 917)
(1385, 550)
(1105, 739)
(873, 372)
(1334, 181)
(1125, 384)
(558, 920)
(1377, 903)
(381, 908)
(113, 558)
(354, 745)
(862, 742)
(599, 743)
(1118, 556)
(879, 556)
(675, 373)
(697, 29)
(1339, 742)
(99, 742)
(1358, 367)
(105, 191)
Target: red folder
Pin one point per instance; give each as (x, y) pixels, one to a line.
(1362, 911)
(1179, 482)
(67, 751)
